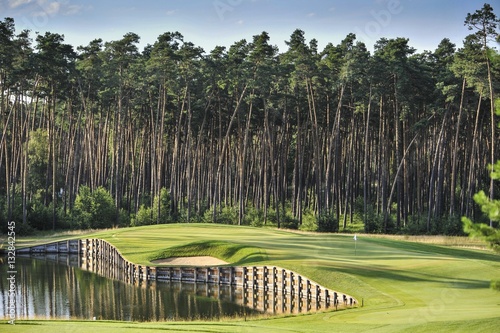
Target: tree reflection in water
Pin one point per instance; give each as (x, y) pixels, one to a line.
(48, 289)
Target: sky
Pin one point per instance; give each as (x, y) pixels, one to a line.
(210, 23)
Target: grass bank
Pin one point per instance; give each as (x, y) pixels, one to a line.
(236, 254)
(405, 285)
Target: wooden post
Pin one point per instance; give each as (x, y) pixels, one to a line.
(152, 272)
(254, 290)
(114, 264)
(87, 250)
(299, 285)
(265, 278)
(244, 277)
(254, 277)
(318, 296)
(308, 290)
(275, 279)
(283, 281)
(275, 292)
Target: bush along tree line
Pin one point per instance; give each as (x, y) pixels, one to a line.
(107, 135)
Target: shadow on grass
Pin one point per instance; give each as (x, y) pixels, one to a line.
(470, 284)
(252, 258)
(377, 273)
(409, 277)
(434, 249)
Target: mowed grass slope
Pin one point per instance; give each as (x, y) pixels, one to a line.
(404, 286)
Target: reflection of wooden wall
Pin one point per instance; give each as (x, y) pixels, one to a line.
(266, 289)
(67, 246)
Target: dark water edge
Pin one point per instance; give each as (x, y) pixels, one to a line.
(49, 290)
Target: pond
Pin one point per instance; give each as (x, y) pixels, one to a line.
(58, 289)
(89, 279)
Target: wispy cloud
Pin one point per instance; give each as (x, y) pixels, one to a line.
(45, 7)
(49, 7)
(171, 12)
(16, 3)
(73, 9)
(311, 14)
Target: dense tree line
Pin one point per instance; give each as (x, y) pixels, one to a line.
(247, 135)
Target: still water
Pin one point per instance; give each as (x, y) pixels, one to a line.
(46, 289)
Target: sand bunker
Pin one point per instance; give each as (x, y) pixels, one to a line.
(190, 261)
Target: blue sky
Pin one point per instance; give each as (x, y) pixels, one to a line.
(208, 23)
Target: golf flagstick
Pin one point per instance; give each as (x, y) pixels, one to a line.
(355, 241)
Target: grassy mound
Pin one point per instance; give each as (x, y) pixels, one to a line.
(235, 254)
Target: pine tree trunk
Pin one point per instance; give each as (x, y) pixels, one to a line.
(453, 183)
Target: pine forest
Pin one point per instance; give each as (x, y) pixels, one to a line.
(108, 135)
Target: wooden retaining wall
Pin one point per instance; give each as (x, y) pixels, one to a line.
(67, 246)
(262, 287)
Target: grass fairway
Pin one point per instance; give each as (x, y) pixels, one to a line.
(405, 286)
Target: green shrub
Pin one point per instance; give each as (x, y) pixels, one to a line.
(144, 216)
(254, 217)
(309, 223)
(450, 226)
(161, 208)
(39, 216)
(327, 223)
(94, 209)
(417, 225)
(226, 215)
(24, 229)
(124, 219)
(288, 221)
(374, 222)
(63, 220)
(195, 215)
(208, 216)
